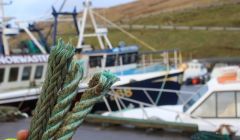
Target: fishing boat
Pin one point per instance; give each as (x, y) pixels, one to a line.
(195, 73)
(215, 107)
(21, 75)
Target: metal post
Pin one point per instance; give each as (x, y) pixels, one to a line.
(180, 57)
(40, 47)
(95, 28)
(117, 102)
(4, 38)
(121, 63)
(151, 59)
(143, 59)
(75, 20)
(83, 24)
(108, 42)
(167, 59)
(107, 104)
(54, 35)
(149, 97)
(175, 58)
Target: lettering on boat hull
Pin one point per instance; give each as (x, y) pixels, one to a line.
(23, 59)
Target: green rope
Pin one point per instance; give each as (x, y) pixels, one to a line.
(98, 87)
(203, 135)
(57, 69)
(52, 117)
(65, 98)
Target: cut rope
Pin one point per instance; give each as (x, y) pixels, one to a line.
(98, 87)
(52, 117)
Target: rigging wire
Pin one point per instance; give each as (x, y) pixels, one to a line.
(124, 31)
(46, 13)
(62, 5)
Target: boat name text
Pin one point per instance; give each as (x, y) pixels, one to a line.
(23, 59)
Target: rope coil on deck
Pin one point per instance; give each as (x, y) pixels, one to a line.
(53, 118)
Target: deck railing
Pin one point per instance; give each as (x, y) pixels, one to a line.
(121, 106)
(166, 57)
(121, 94)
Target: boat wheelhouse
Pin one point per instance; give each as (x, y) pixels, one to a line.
(22, 71)
(115, 60)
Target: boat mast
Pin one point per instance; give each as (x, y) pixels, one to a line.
(4, 38)
(100, 33)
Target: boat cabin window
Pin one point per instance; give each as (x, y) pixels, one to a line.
(196, 97)
(134, 57)
(111, 60)
(38, 72)
(26, 73)
(226, 106)
(13, 74)
(1, 75)
(207, 108)
(95, 61)
(128, 58)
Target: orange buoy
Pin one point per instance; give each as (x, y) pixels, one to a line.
(22, 135)
(195, 81)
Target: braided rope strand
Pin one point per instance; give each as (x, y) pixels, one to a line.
(65, 98)
(98, 86)
(57, 68)
(52, 117)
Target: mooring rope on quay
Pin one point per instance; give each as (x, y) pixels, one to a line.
(53, 118)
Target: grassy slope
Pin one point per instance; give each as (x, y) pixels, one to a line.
(226, 15)
(195, 43)
(198, 44)
(146, 7)
(192, 43)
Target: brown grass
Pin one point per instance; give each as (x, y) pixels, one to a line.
(141, 8)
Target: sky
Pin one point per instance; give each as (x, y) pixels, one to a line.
(35, 9)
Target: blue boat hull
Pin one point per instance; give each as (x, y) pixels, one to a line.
(166, 98)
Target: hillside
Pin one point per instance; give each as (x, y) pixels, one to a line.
(193, 43)
(198, 44)
(223, 15)
(144, 8)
